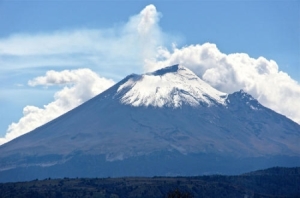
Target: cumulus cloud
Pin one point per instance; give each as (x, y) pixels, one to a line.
(231, 72)
(78, 86)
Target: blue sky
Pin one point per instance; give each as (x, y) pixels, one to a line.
(260, 28)
(269, 29)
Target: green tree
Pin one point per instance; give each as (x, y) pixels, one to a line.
(178, 194)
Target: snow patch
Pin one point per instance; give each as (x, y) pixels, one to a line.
(172, 87)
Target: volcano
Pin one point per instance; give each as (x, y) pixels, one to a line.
(165, 123)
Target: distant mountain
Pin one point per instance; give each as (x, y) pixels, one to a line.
(168, 122)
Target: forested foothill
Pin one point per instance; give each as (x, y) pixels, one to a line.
(273, 182)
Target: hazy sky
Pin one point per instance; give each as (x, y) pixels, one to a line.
(232, 45)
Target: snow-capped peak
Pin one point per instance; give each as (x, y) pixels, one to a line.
(172, 86)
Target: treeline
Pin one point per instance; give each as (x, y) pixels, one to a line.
(274, 182)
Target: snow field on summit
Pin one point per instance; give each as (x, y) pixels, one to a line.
(172, 89)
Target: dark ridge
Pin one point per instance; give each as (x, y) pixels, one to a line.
(268, 183)
(276, 171)
(166, 70)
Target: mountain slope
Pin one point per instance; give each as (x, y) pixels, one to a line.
(160, 120)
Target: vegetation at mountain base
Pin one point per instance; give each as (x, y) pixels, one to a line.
(273, 182)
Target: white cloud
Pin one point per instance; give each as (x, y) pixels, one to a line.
(79, 86)
(231, 72)
(121, 49)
